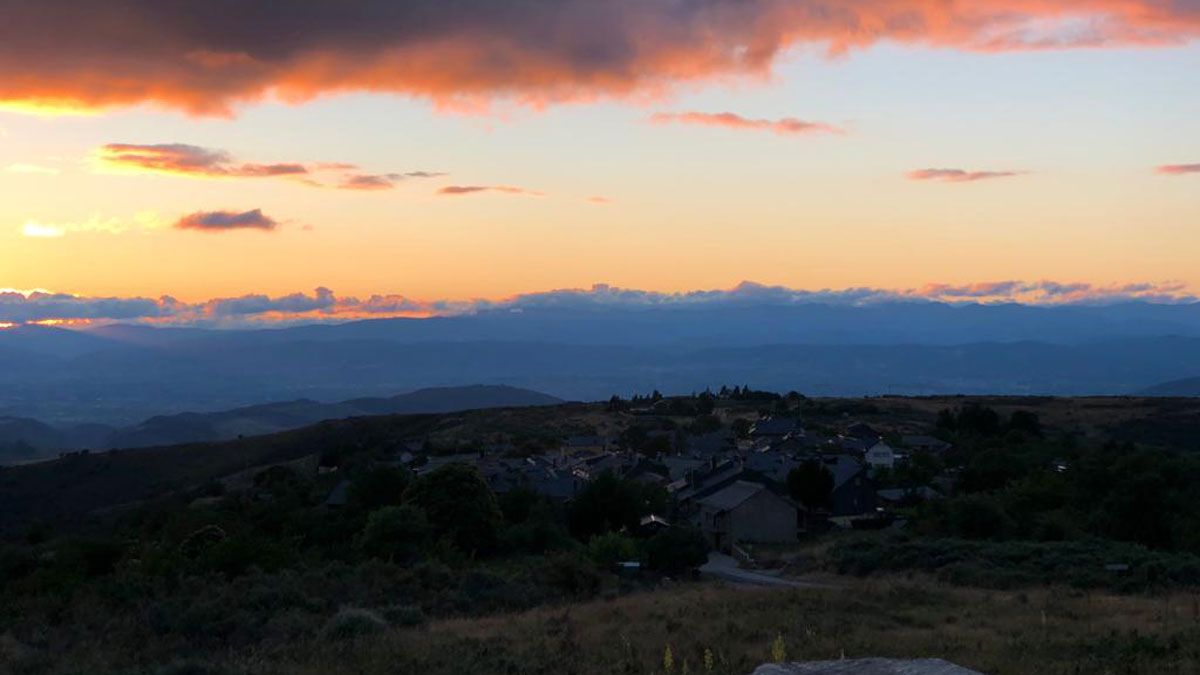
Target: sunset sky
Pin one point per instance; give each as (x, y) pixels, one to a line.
(448, 151)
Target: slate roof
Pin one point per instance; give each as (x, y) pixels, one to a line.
(843, 468)
(732, 496)
(774, 426)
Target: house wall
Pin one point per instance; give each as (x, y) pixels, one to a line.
(854, 497)
(764, 518)
(716, 528)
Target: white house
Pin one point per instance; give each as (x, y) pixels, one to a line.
(880, 456)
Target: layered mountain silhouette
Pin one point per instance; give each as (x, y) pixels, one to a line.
(23, 439)
(121, 375)
(1186, 387)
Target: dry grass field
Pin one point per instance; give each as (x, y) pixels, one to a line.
(721, 629)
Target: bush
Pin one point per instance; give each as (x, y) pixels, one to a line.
(606, 550)
(1012, 564)
(405, 615)
(676, 549)
(978, 517)
(572, 574)
(351, 624)
(394, 533)
(379, 487)
(191, 667)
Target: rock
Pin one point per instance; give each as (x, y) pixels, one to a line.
(867, 667)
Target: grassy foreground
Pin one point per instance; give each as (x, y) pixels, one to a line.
(997, 632)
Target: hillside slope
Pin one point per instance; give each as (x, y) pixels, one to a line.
(1186, 387)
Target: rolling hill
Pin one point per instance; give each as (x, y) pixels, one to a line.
(1186, 387)
(23, 439)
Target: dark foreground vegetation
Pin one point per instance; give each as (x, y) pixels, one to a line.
(331, 550)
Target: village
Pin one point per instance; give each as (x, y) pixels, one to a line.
(748, 481)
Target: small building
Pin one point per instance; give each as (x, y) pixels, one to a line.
(771, 463)
(880, 456)
(747, 512)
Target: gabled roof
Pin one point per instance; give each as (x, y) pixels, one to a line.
(733, 496)
(713, 443)
(774, 426)
(711, 482)
(843, 468)
(863, 431)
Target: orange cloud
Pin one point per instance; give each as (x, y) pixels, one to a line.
(959, 175)
(1178, 169)
(385, 181)
(190, 160)
(455, 190)
(788, 126)
(207, 60)
(181, 159)
(225, 221)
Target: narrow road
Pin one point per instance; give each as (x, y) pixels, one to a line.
(726, 568)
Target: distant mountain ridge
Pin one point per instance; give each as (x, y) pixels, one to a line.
(122, 375)
(27, 439)
(1186, 387)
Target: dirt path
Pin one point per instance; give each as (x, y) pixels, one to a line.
(726, 568)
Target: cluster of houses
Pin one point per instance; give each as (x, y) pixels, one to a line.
(734, 490)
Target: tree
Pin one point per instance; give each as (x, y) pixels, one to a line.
(979, 517)
(979, 420)
(676, 549)
(741, 427)
(611, 503)
(459, 505)
(811, 484)
(705, 424)
(782, 407)
(394, 533)
(1026, 422)
(378, 487)
(518, 503)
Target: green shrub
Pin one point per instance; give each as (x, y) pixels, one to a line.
(352, 623)
(1014, 564)
(572, 574)
(190, 667)
(394, 533)
(405, 615)
(610, 548)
